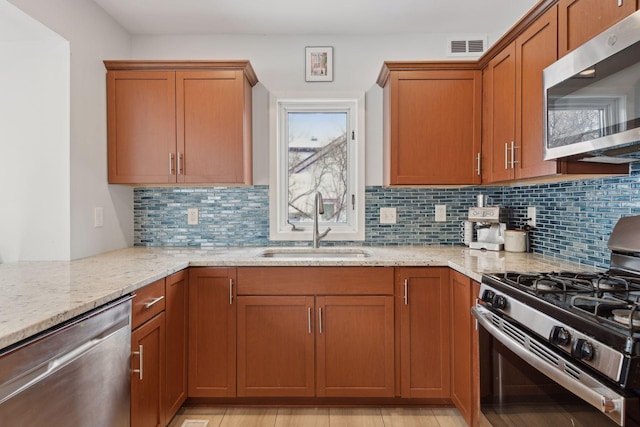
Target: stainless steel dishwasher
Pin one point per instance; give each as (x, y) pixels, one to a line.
(76, 374)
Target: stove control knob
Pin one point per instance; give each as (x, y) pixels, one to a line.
(499, 302)
(487, 295)
(583, 350)
(560, 335)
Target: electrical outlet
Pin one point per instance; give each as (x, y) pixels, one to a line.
(387, 215)
(98, 217)
(192, 216)
(441, 213)
(531, 214)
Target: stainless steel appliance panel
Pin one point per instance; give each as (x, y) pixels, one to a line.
(592, 98)
(75, 375)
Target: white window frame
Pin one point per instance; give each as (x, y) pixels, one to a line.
(279, 105)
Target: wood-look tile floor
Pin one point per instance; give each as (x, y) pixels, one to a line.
(321, 417)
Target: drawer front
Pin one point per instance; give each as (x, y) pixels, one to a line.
(148, 302)
(315, 281)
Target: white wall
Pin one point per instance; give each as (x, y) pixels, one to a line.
(92, 36)
(34, 140)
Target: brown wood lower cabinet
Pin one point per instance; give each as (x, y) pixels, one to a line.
(147, 373)
(316, 344)
(276, 347)
(422, 332)
(177, 329)
(212, 332)
(148, 350)
(464, 367)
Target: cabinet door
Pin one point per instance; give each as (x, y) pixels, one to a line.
(501, 91)
(275, 346)
(581, 20)
(147, 374)
(435, 127)
(424, 331)
(141, 127)
(535, 50)
(177, 329)
(212, 332)
(461, 353)
(355, 346)
(211, 119)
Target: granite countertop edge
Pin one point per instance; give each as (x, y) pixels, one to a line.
(38, 295)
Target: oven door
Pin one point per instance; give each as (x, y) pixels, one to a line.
(524, 382)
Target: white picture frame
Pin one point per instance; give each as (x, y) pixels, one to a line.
(319, 63)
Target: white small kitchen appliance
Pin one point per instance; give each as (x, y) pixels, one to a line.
(490, 231)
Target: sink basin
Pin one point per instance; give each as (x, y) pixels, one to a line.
(315, 253)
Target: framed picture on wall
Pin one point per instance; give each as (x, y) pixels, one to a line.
(319, 64)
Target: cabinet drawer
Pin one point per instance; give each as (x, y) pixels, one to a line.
(315, 281)
(148, 302)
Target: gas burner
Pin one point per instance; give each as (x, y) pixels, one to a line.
(625, 317)
(546, 284)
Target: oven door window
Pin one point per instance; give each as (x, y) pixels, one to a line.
(513, 393)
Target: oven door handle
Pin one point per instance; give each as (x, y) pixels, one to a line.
(528, 349)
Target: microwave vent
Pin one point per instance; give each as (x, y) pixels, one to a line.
(466, 46)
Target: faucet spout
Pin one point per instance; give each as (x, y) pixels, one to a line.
(318, 208)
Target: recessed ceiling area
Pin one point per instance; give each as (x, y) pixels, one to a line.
(325, 17)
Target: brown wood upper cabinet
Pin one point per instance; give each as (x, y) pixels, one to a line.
(315, 331)
(422, 331)
(581, 20)
(179, 122)
(432, 122)
(513, 97)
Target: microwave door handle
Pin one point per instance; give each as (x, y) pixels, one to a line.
(587, 388)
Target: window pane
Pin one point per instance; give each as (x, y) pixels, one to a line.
(317, 161)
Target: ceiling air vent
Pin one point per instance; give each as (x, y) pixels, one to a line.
(466, 46)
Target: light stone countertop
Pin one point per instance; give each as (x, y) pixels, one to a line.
(38, 295)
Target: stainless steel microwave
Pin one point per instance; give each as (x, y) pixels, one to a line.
(592, 98)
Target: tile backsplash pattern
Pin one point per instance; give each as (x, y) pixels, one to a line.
(574, 218)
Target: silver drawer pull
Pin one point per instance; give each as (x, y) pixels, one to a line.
(320, 319)
(140, 354)
(406, 291)
(309, 318)
(153, 302)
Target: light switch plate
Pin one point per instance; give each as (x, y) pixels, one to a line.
(387, 215)
(441, 213)
(98, 217)
(192, 216)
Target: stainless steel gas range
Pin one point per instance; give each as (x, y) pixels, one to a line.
(563, 348)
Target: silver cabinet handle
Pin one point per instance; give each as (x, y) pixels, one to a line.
(320, 319)
(506, 155)
(620, 3)
(309, 318)
(479, 170)
(141, 357)
(230, 291)
(179, 163)
(406, 291)
(153, 302)
(513, 154)
(170, 163)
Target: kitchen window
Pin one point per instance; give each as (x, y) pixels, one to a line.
(317, 145)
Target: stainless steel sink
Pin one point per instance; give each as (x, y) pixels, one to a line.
(315, 253)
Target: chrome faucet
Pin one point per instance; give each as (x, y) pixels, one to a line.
(318, 208)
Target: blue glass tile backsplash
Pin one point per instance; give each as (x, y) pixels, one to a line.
(574, 218)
